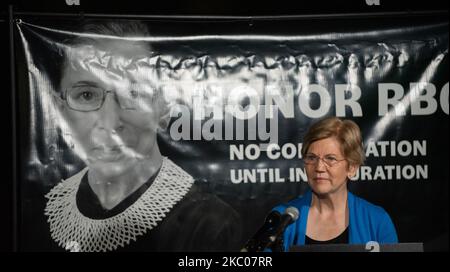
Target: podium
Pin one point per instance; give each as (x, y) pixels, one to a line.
(369, 247)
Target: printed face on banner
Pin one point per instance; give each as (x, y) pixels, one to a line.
(111, 111)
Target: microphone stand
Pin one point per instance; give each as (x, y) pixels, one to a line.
(271, 241)
(277, 246)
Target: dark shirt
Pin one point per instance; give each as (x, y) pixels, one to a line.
(340, 239)
(89, 204)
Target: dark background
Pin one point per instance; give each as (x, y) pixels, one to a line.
(198, 7)
(230, 7)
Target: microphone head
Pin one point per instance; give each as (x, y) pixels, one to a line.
(293, 212)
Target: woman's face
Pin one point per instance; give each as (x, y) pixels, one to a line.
(113, 118)
(326, 179)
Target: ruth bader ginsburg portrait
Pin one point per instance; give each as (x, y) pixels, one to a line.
(126, 196)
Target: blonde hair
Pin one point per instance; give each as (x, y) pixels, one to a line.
(346, 132)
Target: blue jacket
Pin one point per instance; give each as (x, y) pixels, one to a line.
(367, 222)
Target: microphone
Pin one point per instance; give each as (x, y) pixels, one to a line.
(274, 226)
(271, 221)
(289, 216)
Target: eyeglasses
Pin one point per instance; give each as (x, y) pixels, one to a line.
(88, 97)
(329, 160)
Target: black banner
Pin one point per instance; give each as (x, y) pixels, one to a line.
(223, 106)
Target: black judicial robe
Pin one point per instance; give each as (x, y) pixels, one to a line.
(200, 221)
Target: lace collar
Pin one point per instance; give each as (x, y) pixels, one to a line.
(76, 232)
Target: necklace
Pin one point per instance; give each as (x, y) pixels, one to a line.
(76, 232)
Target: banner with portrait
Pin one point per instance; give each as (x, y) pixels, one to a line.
(227, 103)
